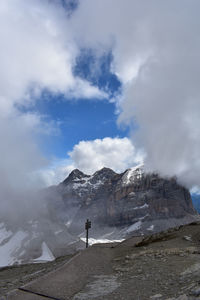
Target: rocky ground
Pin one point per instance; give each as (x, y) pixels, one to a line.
(161, 269)
(163, 266)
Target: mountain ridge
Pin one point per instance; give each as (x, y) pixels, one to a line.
(113, 199)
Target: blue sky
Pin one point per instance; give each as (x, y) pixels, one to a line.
(78, 120)
(81, 119)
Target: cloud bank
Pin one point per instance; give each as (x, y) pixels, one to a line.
(155, 49)
(37, 52)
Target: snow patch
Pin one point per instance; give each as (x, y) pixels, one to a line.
(86, 182)
(131, 194)
(58, 231)
(85, 185)
(68, 223)
(134, 227)
(132, 174)
(92, 241)
(141, 207)
(8, 250)
(78, 184)
(46, 254)
(142, 218)
(151, 228)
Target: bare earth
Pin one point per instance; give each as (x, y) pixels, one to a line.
(163, 266)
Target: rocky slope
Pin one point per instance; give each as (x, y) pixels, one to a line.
(133, 201)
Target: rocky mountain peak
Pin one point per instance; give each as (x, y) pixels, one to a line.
(75, 175)
(103, 174)
(132, 175)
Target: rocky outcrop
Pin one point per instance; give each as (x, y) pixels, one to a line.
(122, 200)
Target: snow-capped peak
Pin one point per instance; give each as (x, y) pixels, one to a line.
(75, 175)
(133, 174)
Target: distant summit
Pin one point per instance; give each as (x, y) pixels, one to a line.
(75, 175)
(103, 174)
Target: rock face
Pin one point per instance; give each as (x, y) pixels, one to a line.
(132, 198)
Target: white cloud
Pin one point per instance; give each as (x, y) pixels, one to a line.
(115, 153)
(155, 49)
(117, 26)
(37, 51)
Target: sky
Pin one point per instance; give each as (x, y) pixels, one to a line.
(98, 83)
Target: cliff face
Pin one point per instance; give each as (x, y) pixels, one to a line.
(112, 199)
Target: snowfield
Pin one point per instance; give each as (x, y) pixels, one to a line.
(46, 254)
(9, 249)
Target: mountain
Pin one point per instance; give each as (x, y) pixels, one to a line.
(118, 205)
(132, 202)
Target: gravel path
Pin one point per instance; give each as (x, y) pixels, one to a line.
(164, 266)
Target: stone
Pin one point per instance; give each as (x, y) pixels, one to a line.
(157, 296)
(196, 292)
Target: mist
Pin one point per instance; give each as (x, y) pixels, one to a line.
(30, 60)
(20, 158)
